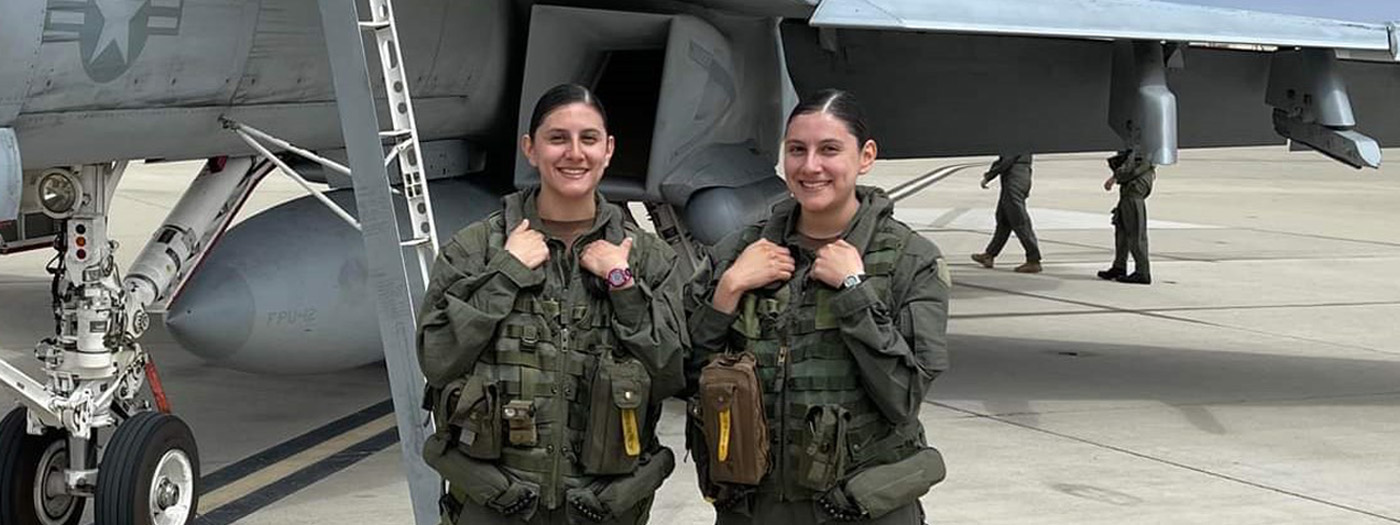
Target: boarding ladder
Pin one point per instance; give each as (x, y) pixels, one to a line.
(384, 258)
(404, 135)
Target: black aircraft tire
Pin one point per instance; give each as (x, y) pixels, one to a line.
(20, 457)
(146, 442)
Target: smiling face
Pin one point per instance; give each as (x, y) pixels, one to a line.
(821, 161)
(571, 148)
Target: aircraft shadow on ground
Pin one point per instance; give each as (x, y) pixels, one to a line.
(1030, 377)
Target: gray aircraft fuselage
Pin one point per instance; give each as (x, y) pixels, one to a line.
(102, 80)
(696, 93)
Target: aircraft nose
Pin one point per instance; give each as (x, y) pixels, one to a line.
(213, 316)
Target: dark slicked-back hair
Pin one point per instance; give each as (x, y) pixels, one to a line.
(560, 96)
(839, 104)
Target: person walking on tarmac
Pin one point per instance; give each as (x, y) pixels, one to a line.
(1134, 175)
(820, 329)
(550, 333)
(1012, 216)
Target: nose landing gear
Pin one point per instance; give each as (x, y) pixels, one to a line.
(149, 474)
(149, 471)
(32, 488)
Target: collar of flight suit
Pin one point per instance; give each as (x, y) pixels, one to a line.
(875, 207)
(524, 204)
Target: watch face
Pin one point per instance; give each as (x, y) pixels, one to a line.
(617, 277)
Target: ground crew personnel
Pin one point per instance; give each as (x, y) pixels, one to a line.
(844, 310)
(550, 333)
(1134, 175)
(1012, 216)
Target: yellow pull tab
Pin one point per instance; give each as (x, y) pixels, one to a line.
(724, 435)
(630, 436)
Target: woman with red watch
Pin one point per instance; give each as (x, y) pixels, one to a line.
(550, 333)
(837, 313)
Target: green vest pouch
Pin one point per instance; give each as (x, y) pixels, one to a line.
(626, 492)
(479, 482)
(882, 489)
(823, 461)
(617, 411)
(475, 416)
(736, 429)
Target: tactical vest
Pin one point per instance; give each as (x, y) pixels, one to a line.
(558, 399)
(823, 425)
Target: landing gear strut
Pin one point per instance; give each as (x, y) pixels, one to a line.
(95, 369)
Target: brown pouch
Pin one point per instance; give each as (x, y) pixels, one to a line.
(473, 411)
(736, 430)
(520, 415)
(617, 412)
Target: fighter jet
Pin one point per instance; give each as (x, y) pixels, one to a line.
(696, 93)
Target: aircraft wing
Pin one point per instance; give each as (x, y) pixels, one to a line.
(1216, 22)
(953, 77)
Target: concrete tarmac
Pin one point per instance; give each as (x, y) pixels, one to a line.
(1257, 381)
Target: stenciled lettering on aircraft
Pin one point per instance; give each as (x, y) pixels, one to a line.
(110, 33)
(304, 318)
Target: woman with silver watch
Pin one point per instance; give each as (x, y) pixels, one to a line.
(819, 331)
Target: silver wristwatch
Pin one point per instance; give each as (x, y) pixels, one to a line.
(852, 280)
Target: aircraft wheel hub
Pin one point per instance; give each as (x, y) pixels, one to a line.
(171, 489)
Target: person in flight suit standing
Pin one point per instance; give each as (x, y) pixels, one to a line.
(824, 326)
(1134, 175)
(550, 333)
(1012, 216)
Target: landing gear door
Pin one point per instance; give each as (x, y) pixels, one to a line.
(11, 175)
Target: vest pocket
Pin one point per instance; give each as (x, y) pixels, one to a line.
(475, 413)
(822, 459)
(617, 412)
(736, 431)
(520, 415)
(885, 488)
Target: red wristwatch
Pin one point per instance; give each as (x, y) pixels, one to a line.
(619, 277)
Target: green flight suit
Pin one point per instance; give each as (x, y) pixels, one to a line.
(870, 352)
(1012, 215)
(534, 342)
(1134, 178)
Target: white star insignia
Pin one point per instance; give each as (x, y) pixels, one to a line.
(116, 24)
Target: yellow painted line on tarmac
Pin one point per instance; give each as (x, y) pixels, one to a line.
(281, 469)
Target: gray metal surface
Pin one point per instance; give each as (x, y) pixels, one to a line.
(118, 57)
(1142, 108)
(1117, 19)
(173, 71)
(11, 176)
(1372, 11)
(383, 256)
(977, 94)
(719, 99)
(269, 299)
(569, 45)
(51, 139)
(1307, 83)
(19, 49)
